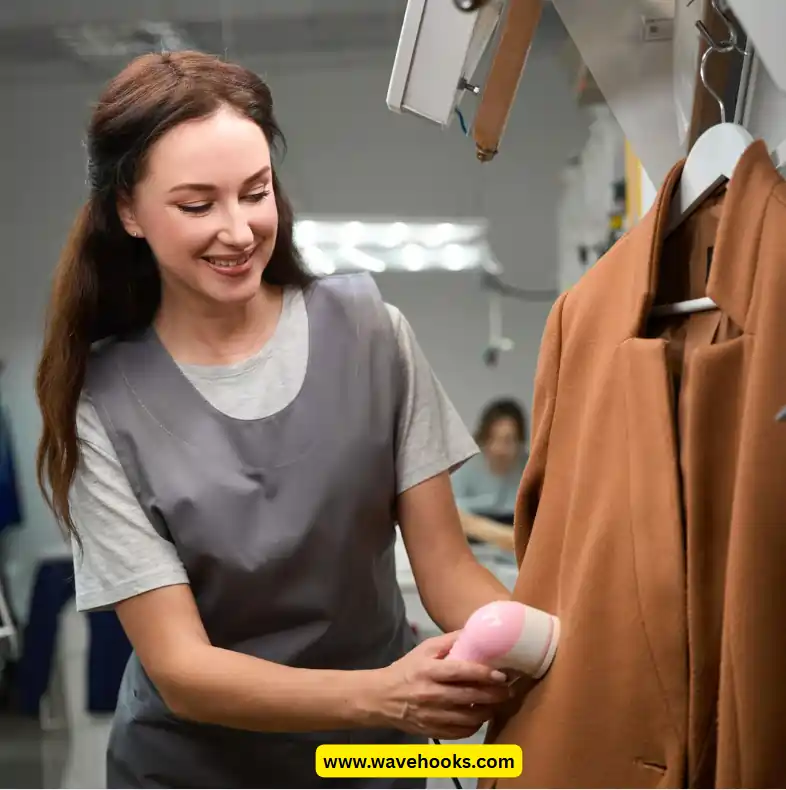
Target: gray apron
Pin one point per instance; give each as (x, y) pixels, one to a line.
(285, 526)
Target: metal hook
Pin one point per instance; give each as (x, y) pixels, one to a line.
(731, 44)
(731, 26)
(712, 48)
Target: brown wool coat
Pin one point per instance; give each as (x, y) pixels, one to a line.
(652, 514)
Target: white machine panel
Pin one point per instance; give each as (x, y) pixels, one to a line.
(439, 46)
(765, 23)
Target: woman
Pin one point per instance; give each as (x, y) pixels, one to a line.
(231, 459)
(487, 485)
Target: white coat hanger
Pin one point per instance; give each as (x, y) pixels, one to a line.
(711, 161)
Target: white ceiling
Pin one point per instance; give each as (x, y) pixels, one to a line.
(80, 38)
(24, 13)
(51, 31)
(326, 32)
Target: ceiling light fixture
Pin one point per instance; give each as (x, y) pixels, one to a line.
(399, 245)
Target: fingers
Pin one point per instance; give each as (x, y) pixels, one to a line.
(464, 696)
(438, 646)
(449, 695)
(456, 701)
(451, 671)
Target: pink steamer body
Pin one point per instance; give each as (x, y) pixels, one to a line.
(491, 632)
(509, 635)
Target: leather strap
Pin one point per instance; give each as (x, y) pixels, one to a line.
(499, 93)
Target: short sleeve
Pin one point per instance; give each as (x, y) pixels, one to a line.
(432, 437)
(543, 402)
(122, 555)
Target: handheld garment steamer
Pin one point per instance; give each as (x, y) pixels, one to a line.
(508, 635)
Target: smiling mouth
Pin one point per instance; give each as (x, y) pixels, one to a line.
(230, 263)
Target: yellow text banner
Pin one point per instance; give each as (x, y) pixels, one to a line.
(425, 761)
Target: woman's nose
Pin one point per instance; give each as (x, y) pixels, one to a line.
(237, 232)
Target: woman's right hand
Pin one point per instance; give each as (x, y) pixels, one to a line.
(424, 694)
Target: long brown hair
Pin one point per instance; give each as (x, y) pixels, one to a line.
(106, 283)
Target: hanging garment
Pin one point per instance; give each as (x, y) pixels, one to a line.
(284, 524)
(107, 653)
(652, 514)
(10, 509)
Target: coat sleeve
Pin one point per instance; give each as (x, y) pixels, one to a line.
(543, 402)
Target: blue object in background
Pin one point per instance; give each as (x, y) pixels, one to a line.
(10, 507)
(108, 651)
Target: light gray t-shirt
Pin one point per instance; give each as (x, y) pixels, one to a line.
(123, 555)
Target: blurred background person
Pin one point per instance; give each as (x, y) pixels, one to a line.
(486, 486)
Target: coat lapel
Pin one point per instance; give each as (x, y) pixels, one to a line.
(653, 467)
(656, 517)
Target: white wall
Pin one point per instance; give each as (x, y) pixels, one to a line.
(587, 196)
(347, 154)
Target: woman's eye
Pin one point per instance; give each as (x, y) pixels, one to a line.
(195, 208)
(258, 197)
(203, 208)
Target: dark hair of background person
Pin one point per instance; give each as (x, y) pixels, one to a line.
(502, 409)
(107, 283)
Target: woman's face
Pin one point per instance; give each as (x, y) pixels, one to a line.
(503, 446)
(206, 208)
